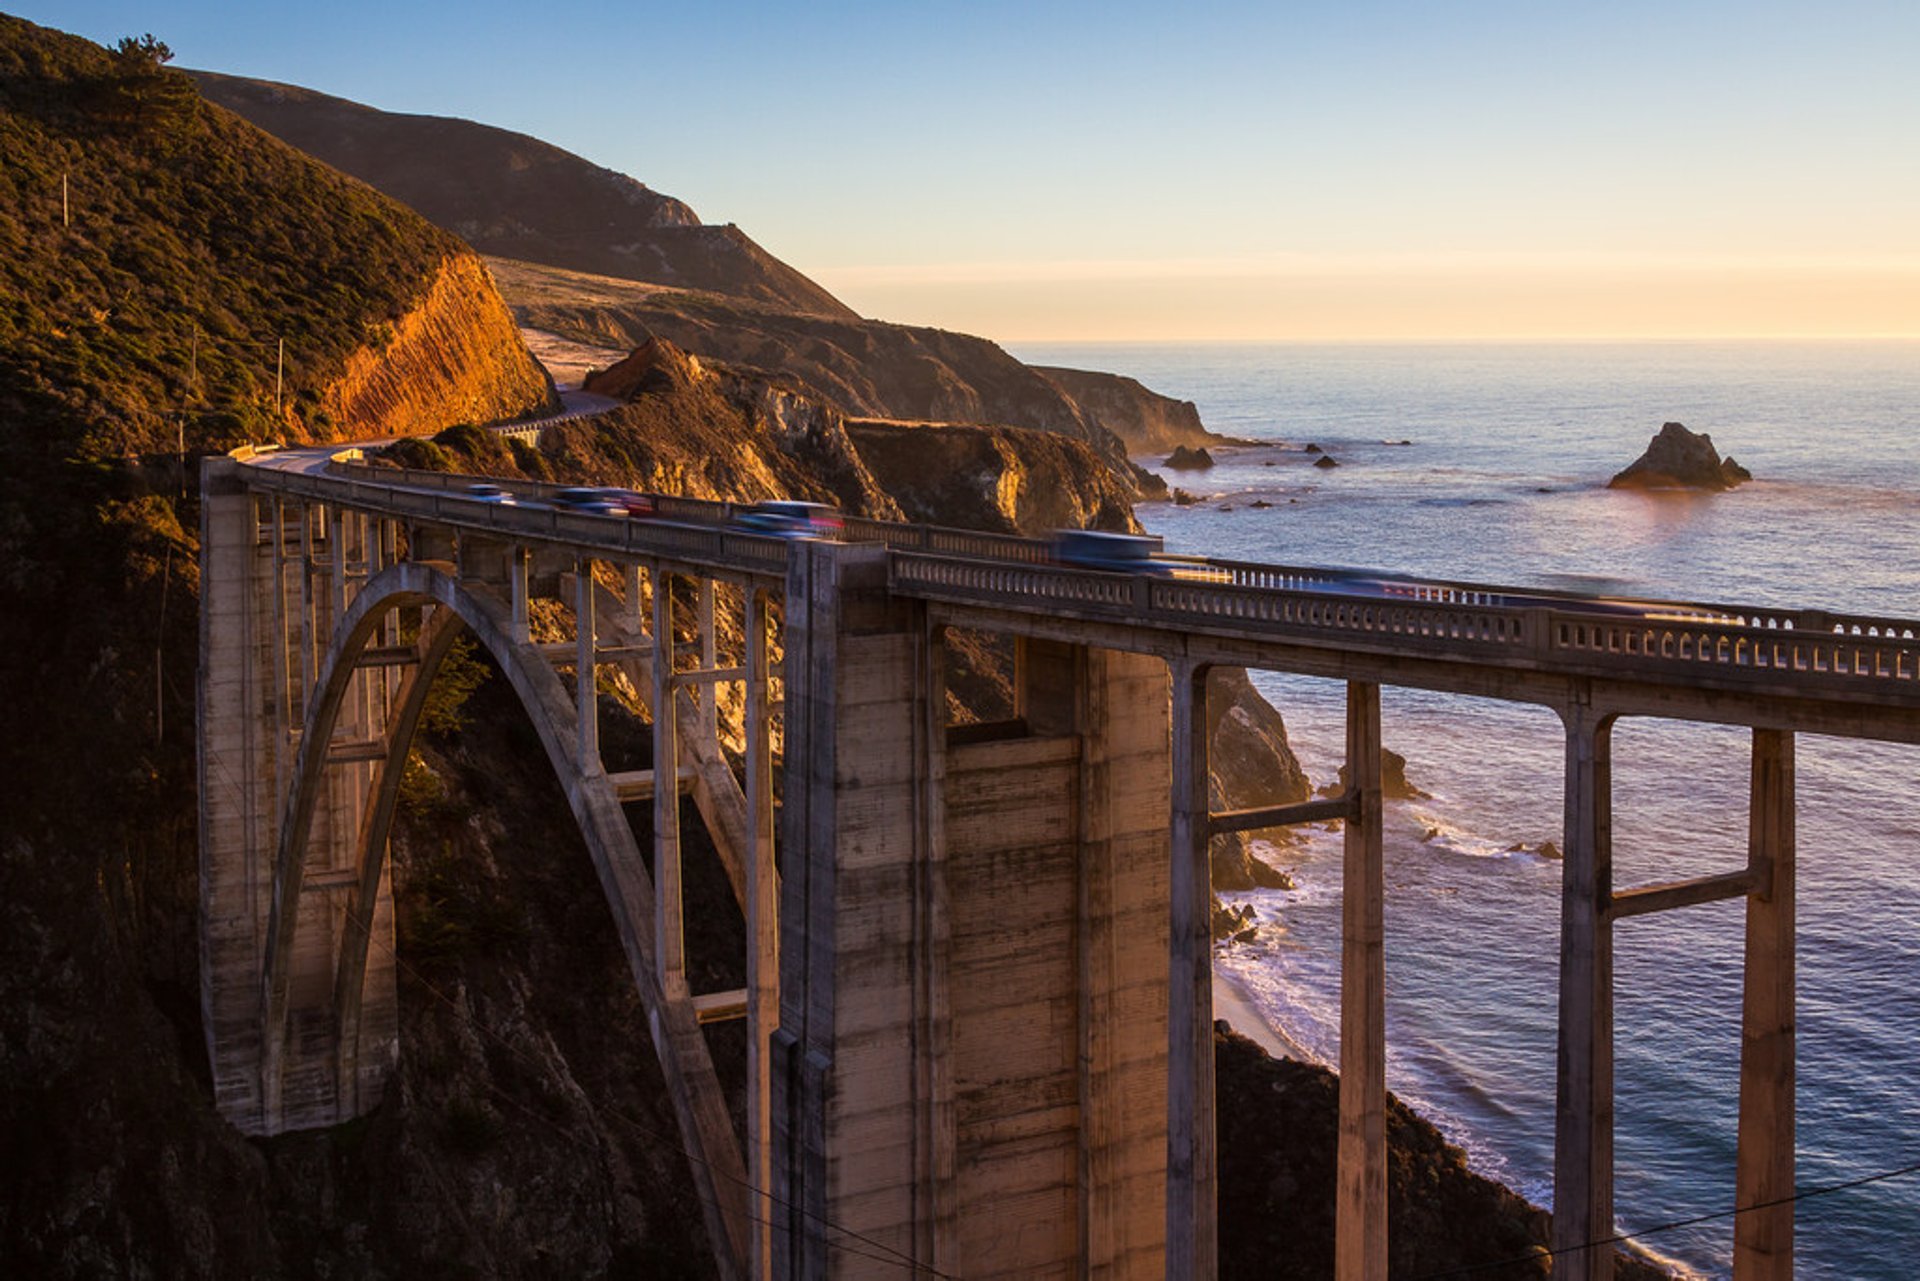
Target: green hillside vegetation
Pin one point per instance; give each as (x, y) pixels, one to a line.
(192, 246)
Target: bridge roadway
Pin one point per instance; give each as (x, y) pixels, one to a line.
(1853, 675)
(1112, 692)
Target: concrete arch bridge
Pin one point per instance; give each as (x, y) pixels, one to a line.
(978, 977)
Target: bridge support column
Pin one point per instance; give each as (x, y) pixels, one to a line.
(240, 755)
(1191, 1227)
(762, 910)
(1360, 1234)
(1583, 1112)
(852, 1129)
(1763, 1238)
(669, 902)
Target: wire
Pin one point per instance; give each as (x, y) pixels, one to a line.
(1625, 1237)
(890, 1255)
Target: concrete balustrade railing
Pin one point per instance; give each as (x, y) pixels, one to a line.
(1465, 621)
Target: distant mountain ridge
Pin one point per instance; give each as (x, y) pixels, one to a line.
(515, 196)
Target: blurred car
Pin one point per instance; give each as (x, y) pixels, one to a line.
(488, 492)
(598, 502)
(788, 518)
(1130, 554)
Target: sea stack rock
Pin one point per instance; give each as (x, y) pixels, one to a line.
(1324, 461)
(1184, 459)
(1681, 459)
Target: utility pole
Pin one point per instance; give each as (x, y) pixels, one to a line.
(66, 218)
(279, 363)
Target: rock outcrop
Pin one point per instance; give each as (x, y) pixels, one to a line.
(1184, 458)
(1250, 763)
(508, 194)
(999, 479)
(1147, 421)
(456, 355)
(1680, 459)
(1279, 1121)
(1393, 779)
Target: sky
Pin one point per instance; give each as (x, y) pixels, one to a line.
(1361, 170)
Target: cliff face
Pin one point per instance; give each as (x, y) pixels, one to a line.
(994, 478)
(1147, 421)
(508, 194)
(454, 357)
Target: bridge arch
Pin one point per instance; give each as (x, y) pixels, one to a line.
(457, 608)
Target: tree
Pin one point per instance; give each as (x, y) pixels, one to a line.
(142, 52)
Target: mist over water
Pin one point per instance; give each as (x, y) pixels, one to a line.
(1503, 482)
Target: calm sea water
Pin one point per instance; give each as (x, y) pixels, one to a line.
(1501, 481)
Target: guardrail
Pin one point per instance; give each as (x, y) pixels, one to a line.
(714, 546)
(1810, 651)
(1814, 650)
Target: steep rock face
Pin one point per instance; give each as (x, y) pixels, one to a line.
(1147, 421)
(993, 478)
(455, 357)
(687, 428)
(1680, 459)
(505, 193)
(1250, 764)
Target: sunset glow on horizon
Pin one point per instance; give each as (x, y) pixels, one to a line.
(1370, 171)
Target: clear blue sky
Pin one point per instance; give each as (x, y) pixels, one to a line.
(1355, 169)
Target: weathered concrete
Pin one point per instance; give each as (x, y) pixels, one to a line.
(1763, 1238)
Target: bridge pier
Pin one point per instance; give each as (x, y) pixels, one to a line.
(967, 1072)
(1583, 1111)
(1763, 1237)
(1360, 1221)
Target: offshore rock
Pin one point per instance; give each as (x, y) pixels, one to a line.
(1393, 779)
(1680, 459)
(1185, 459)
(1326, 462)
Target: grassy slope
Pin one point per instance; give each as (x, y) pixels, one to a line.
(185, 221)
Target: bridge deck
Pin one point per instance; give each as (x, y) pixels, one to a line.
(1830, 672)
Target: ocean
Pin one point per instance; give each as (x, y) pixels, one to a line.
(1495, 473)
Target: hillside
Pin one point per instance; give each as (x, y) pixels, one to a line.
(146, 322)
(507, 194)
(866, 369)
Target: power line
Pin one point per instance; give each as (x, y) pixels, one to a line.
(891, 1255)
(1804, 1194)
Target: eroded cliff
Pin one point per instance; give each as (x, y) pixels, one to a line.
(1147, 421)
(1000, 479)
(454, 356)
